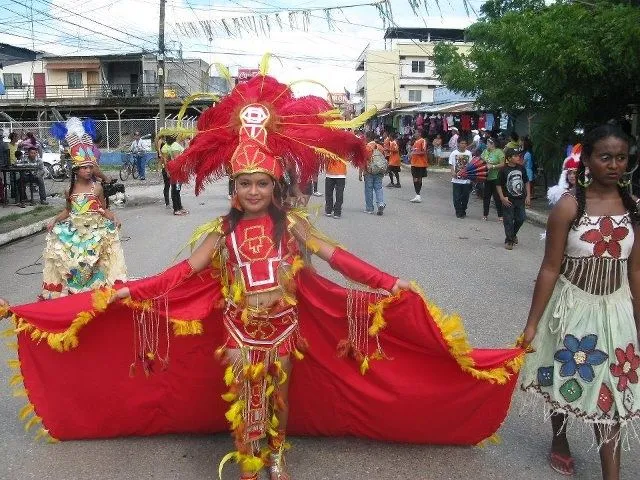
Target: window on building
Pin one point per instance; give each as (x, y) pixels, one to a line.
(417, 66)
(415, 95)
(12, 80)
(74, 79)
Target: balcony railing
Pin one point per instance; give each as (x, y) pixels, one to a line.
(93, 91)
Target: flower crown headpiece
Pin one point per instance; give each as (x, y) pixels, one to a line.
(261, 126)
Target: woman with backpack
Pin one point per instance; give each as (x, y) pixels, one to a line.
(373, 175)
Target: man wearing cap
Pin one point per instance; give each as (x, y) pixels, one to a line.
(453, 141)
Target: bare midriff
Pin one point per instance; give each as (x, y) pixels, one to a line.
(264, 300)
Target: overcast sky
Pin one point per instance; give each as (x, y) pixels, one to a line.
(322, 53)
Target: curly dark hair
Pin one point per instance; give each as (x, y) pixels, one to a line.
(593, 137)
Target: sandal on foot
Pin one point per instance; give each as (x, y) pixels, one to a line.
(562, 464)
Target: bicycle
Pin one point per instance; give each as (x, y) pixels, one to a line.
(153, 164)
(127, 168)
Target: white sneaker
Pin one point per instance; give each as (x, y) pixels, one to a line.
(416, 199)
(317, 194)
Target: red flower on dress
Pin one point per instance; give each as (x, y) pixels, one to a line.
(626, 368)
(606, 238)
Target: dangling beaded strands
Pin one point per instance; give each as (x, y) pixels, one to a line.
(146, 336)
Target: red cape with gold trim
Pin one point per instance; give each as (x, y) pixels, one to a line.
(74, 357)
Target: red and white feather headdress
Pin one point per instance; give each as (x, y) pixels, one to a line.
(259, 127)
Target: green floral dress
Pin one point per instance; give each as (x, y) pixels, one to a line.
(586, 357)
(83, 252)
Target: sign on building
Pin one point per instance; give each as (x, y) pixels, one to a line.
(338, 98)
(246, 74)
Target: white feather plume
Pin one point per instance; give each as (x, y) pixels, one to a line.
(74, 127)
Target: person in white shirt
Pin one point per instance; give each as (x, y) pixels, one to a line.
(458, 160)
(138, 151)
(453, 141)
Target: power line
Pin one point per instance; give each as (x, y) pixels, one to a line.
(83, 26)
(95, 21)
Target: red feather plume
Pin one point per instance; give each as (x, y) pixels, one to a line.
(296, 126)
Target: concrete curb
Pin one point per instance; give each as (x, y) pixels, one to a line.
(25, 231)
(537, 218)
(41, 225)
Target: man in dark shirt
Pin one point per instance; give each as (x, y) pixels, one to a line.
(514, 191)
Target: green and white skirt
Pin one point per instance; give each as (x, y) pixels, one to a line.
(586, 358)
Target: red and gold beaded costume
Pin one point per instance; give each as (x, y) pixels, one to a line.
(425, 371)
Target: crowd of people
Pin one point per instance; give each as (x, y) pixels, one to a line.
(509, 178)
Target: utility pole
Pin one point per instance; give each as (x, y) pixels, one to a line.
(161, 75)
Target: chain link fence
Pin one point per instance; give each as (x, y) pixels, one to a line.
(112, 135)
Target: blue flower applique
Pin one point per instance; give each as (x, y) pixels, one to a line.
(580, 356)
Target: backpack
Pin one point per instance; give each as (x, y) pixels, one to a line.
(377, 163)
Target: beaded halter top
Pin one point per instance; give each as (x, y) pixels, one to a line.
(598, 247)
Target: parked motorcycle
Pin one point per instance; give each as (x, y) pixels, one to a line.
(114, 188)
(58, 169)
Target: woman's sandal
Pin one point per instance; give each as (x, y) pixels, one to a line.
(562, 464)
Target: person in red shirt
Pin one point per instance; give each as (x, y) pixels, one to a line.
(419, 164)
(394, 161)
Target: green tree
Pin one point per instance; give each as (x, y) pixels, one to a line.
(568, 64)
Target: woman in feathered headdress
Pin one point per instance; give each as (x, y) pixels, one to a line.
(260, 245)
(83, 249)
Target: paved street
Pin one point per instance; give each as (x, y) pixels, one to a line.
(462, 266)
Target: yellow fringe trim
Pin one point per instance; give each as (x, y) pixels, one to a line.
(13, 363)
(312, 244)
(181, 328)
(28, 410)
(248, 463)
(25, 411)
(377, 311)
(9, 332)
(15, 380)
(4, 311)
(296, 265)
(494, 439)
(454, 334)
(31, 422)
(214, 226)
(20, 392)
(186, 327)
(64, 341)
(364, 366)
(228, 376)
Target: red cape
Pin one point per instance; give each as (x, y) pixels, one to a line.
(433, 388)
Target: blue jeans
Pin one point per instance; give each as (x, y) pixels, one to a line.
(372, 183)
(139, 162)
